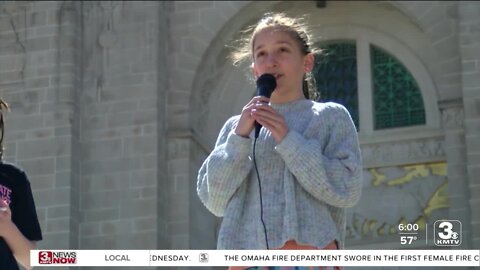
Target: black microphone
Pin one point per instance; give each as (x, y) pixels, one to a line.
(265, 86)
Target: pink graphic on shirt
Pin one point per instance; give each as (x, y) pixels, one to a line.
(5, 194)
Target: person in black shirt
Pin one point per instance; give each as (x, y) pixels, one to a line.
(19, 226)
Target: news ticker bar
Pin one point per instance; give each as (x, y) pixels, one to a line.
(181, 258)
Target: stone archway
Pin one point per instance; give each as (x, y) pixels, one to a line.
(219, 90)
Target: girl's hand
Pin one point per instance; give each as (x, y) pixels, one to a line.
(5, 215)
(247, 122)
(271, 120)
(4, 208)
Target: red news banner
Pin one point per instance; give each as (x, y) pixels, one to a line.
(180, 258)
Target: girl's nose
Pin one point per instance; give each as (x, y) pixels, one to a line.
(271, 60)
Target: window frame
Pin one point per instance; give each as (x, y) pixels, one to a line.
(364, 38)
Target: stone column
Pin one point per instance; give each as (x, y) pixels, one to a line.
(120, 111)
(458, 182)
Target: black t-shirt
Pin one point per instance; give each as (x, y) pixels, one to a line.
(15, 189)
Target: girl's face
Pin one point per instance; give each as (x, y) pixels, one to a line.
(278, 53)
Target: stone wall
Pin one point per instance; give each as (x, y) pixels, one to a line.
(114, 106)
(38, 79)
(86, 82)
(469, 43)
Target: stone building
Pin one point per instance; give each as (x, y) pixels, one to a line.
(114, 106)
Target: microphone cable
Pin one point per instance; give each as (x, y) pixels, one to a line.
(260, 189)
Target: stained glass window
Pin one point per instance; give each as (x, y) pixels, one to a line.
(397, 99)
(335, 73)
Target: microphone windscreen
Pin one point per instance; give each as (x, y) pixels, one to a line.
(266, 83)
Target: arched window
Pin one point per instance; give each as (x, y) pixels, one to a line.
(335, 73)
(397, 100)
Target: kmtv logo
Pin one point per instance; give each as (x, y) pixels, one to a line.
(50, 257)
(447, 232)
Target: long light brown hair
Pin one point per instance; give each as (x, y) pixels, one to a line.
(3, 107)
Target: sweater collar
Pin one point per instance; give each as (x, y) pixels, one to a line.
(291, 106)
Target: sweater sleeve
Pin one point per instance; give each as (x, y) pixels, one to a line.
(332, 174)
(224, 170)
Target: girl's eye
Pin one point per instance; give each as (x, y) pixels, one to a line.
(283, 49)
(259, 54)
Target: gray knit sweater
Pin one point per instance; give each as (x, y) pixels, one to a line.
(307, 180)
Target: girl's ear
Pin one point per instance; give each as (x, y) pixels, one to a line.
(309, 61)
